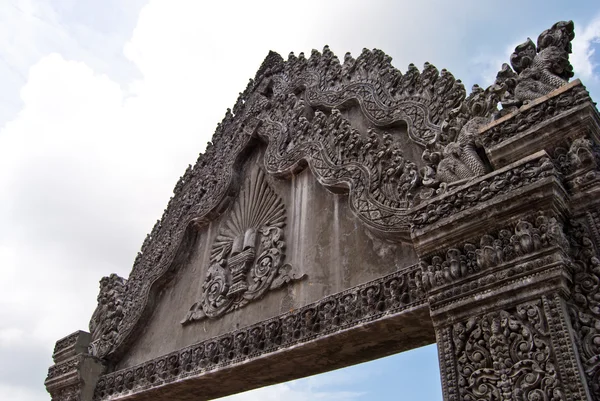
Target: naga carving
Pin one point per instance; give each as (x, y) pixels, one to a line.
(455, 154)
(302, 107)
(110, 310)
(247, 256)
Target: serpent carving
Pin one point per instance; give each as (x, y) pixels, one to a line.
(292, 106)
(541, 69)
(461, 160)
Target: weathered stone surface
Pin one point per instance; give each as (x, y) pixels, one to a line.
(75, 373)
(347, 211)
(523, 352)
(560, 117)
(375, 319)
(316, 251)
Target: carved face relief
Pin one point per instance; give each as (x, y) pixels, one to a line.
(247, 256)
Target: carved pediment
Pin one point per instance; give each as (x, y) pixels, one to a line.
(388, 139)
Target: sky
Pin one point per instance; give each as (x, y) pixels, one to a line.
(104, 104)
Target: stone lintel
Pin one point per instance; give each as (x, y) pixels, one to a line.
(73, 344)
(63, 374)
(546, 194)
(75, 372)
(364, 342)
(532, 104)
(522, 280)
(580, 121)
(372, 320)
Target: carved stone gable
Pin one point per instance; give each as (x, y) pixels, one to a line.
(246, 258)
(479, 229)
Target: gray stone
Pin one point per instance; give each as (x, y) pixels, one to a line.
(345, 212)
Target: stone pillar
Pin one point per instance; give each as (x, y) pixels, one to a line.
(498, 300)
(74, 373)
(513, 278)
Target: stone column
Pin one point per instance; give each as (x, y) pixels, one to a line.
(74, 373)
(513, 291)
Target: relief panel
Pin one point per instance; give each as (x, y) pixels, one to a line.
(282, 244)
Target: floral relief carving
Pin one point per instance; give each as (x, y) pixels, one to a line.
(367, 302)
(585, 305)
(66, 342)
(482, 190)
(511, 355)
(534, 115)
(60, 369)
(247, 256)
(579, 162)
(70, 393)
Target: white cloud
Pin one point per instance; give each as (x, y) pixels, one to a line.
(299, 390)
(92, 150)
(586, 41)
(32, 29)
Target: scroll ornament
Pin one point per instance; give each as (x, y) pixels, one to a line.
(247, 256)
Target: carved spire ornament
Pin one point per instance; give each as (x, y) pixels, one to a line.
(247, 256)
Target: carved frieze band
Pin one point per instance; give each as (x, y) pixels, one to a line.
(584, 306)
(63, 368)
(70, 393)
(371, 301)
(75, 372)
(351, 167)
(482, 190)
(518, 353)
(593, 219)
(420, 99)
(534, 114)
(70, 345)
(64, 343)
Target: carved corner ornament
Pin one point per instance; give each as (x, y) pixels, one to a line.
(75, 373)
(247, 256)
